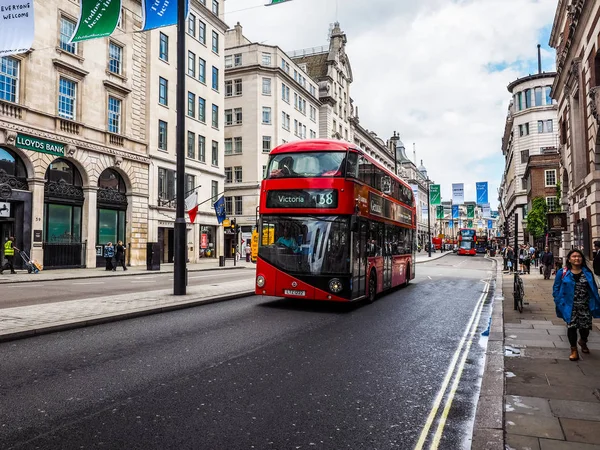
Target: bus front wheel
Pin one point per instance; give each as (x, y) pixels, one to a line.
(372, 287)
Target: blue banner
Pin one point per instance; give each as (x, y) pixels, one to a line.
(490, 224)
(220, 209)
(160, 13)
(451, 224)
(455, 214)
(482, 192)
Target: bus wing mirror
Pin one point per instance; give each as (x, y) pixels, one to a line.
(353, 223)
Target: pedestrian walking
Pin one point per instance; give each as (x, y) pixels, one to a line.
(547, 262)
(526, 261)
(119, 256)
(248, 253)
(510, 256)
(9, 255)
(109, 254)
(596, 263)
(576, 297)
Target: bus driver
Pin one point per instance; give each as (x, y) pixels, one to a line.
(287, 241)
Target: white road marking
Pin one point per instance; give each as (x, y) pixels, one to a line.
(17, 285)
(92, 282)
(429, 277)
(144, 281)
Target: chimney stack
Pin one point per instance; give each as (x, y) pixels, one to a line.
(539, 58)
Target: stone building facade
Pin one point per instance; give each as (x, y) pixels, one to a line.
(576, 37)
(73, 152)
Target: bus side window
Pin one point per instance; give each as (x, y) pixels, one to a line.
(352, 165)
(365, 170)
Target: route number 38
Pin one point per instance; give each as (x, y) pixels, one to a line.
(324, 199)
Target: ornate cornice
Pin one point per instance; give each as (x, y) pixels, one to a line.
(113, 196)
(61, 189)
(75, 142)
(13, 182)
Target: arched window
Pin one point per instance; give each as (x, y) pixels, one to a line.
(110, 179)
(112, 209)
(63, 171)
(11, 164)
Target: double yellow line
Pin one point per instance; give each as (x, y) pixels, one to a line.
(454, 370)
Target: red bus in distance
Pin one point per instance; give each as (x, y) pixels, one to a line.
(334, 224)
(466, 242)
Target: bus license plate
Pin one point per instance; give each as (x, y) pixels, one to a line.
(298, 293)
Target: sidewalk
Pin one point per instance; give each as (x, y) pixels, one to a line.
(550, 403)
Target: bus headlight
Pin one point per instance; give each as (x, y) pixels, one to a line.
(260, 281)
(335, 285)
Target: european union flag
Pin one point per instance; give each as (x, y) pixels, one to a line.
(220, 209)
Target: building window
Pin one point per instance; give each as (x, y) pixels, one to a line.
(313, 113)
(162, 135)
(191, 104)
(228, 146)
(313, 134)
(548, 92)
(527, 98)
(524, 156)
(228, 206)
(228, 88)
(214, 189)
(229, 117)
(215, 78)
(266, 86)
(237, 145)
(192, 64)
(266, 59)
(166, 184)
(67, 29)
(285, 121)
(237, 86)
(550, 176)
(266, 144)
(192, 25)
(201, 148)
(9, 79)
(266, 115)
(201, 109)
(163, 47)
(115, 58)
(264, 172)
(215, 7)
(520, 101)
(545, 126)
(285, 93)
(228, 175)
(215, 116)
(202, 70)
(190, 183)
(552, 204)
(191, 144)
(524, 183)
(215, 153)
(163, 91)
(114, 115)
(524, 129)
(238, 205)
(228, 61)
(237, 60)
(537, 93)
(238, 174)
(202, 32)
(237, 112)
(215, 42)
(67, 98)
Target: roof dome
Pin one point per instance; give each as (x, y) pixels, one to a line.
(423, 170)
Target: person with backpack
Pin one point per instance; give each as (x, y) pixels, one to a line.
(547, 262)
(577, 301)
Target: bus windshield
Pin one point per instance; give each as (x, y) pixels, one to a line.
(307, 165)
(306, 245)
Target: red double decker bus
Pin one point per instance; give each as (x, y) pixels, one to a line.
(334, 224)
(466, 242)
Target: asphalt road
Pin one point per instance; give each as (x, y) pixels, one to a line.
(35, 293)
(258, 373)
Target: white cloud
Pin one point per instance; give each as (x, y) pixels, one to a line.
(436, 71)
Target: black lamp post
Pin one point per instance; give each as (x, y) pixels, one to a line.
(429, 216)
(180, 241)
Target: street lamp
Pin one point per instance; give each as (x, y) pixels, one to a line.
(428, 181)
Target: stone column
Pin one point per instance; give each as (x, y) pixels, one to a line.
(89, 223)
(36, 186)
(137, 228)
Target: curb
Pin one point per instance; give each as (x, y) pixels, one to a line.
(118, 274)
(71, 325)
(433, 259)
(488, 429)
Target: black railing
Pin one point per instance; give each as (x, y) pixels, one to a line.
(64, 255)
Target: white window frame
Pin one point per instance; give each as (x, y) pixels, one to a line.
(115, 116)
(119, 61)
(73, 98)
(546, 173)
(12, 79)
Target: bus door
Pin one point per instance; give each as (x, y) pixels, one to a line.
(387, 256)
(359, 259)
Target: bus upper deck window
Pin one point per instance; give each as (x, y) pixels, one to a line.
(352, 165)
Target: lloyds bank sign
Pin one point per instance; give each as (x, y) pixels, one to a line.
(39, 145)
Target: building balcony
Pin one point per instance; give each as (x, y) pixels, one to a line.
(67, 126)
(12, 110)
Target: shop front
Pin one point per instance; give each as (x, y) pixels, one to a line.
(208, 242)
(111, 213)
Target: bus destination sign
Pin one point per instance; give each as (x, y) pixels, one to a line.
(303, 198)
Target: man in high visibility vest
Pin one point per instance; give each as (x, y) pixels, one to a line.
(9, 254)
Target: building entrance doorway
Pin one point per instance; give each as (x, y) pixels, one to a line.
(166, 242)
(6, 230)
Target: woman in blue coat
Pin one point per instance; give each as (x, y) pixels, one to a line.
(577, 301)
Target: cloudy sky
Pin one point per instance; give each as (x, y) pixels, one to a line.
(436, 71)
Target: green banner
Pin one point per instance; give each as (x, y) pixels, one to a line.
(470, 211)
(98, 18)
(469, 224)
(439, 212)
(435, 197)
(39, 145)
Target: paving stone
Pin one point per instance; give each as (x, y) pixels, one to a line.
(536, 322)
(516, 442)
(519, 326)
(536, 426)
(524, 343)
(489, 411)
(544, 353)
(570, 379)
(576, 410)
(528, 405)
(550, 444)
(540, 331)
(581, 431)
(577, 393)
(486, 439)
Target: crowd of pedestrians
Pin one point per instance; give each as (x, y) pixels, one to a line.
(524, 257)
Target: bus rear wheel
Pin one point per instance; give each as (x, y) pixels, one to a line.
(372, 287)
(407, 276)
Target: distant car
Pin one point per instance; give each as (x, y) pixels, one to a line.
(455, 248)
(480, 250)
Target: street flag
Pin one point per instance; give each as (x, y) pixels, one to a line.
(424, 212)
(160, 13)
(97, 19)
(490, 224)
(440, 211)
(16, 27)
(455, 213)
(276, 2)
(451, 224)
(482, 192)
(435, 197)
(469, 224)
(458, 193)
(220, 209)
(191, 205)
(470, 211)
(485, 209)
